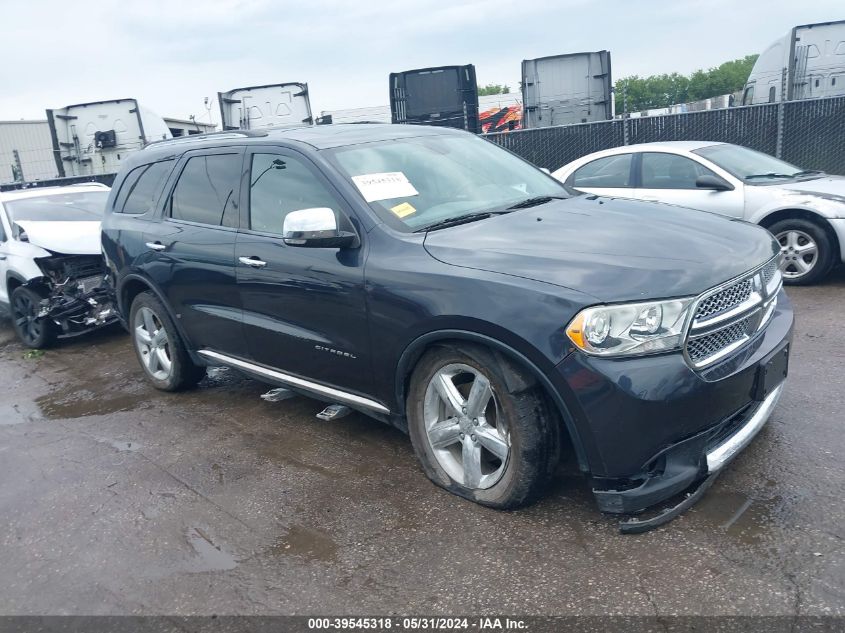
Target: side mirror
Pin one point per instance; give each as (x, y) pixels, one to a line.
(708, 181)
(316, 228)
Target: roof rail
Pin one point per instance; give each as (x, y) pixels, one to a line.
(225, 134)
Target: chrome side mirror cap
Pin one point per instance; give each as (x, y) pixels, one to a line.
(316, 228)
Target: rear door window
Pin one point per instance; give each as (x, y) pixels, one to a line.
(611, 171)
(207, 190)
(669, 171)
(142, 187)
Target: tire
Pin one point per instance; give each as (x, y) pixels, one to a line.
(516, 442)
(34, 332)
(158, 346)
(806, 248)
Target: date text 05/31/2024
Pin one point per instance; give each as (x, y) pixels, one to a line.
(419, 623)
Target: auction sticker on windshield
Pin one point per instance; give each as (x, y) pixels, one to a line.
(384, 186)
(403, 210)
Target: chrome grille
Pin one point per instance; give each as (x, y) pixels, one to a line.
(770, 270)
(725, 299)
(727, 317)
(708, 345)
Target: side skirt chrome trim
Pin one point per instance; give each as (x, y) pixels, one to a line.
(335, 394)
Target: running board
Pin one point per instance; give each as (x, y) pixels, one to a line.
(336, 395)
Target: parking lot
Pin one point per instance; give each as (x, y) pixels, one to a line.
(120, 499)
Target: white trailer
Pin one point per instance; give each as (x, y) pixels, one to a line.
(806, 63)
(564, 89)
(274, 105)
(96, 138)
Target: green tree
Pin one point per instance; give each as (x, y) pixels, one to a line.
(660, 91)
(494, 89)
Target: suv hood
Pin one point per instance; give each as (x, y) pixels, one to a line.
(612, 249)
(68, 238)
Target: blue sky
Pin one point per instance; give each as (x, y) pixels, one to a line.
(171, 54)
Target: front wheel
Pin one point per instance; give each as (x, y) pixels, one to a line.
(158, 346)
(480, 426)
(806, 250)
(33, 331)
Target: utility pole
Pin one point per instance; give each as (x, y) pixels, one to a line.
(625, 113)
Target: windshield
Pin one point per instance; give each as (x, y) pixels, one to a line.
(65, 207)
(751, 165)
(415, 183)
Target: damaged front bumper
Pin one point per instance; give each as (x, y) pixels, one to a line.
(718, 451)
(76, 294)
(658, 432)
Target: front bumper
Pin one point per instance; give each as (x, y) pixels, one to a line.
(652, 427)
(838, 225)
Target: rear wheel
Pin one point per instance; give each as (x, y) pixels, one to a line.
(806, 250)
(158, 346)
(33, 331)
(480, 426)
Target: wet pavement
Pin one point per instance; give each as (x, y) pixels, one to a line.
(117, 499)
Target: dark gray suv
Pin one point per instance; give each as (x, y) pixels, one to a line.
(437, 282)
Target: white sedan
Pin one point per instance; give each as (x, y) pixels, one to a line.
(804, 209)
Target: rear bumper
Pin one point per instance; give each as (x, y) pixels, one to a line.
(653, 427)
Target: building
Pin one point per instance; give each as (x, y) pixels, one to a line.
(188, 127)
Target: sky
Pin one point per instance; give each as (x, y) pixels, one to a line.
(171, 54)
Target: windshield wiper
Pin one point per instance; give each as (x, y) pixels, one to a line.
(769, 175)
(808, 172)
(461, 219)
(535, 201)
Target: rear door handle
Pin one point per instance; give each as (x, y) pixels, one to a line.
(156, 246)
(252, 261)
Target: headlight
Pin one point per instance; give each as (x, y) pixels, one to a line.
(630, 329)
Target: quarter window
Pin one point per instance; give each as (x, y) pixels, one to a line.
(141, 188)
(281, 184)
(668, 171)
(207, 190)
(611, 171)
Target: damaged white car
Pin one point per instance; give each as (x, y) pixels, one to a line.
(51, 267)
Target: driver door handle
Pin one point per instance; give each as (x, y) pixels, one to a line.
(252, 261)
(156, 246)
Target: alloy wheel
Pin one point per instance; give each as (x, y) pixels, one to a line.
(26, 319)
(152, 343)
(465, 426)
(800, 253)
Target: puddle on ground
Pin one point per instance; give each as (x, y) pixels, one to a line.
(70, 403)
(748, 520)
(209, 555)
(307, 543)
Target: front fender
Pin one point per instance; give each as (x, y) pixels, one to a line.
(539, 368)
(823, 208)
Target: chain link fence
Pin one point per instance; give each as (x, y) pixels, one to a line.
(814, 134)
(810, 134)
